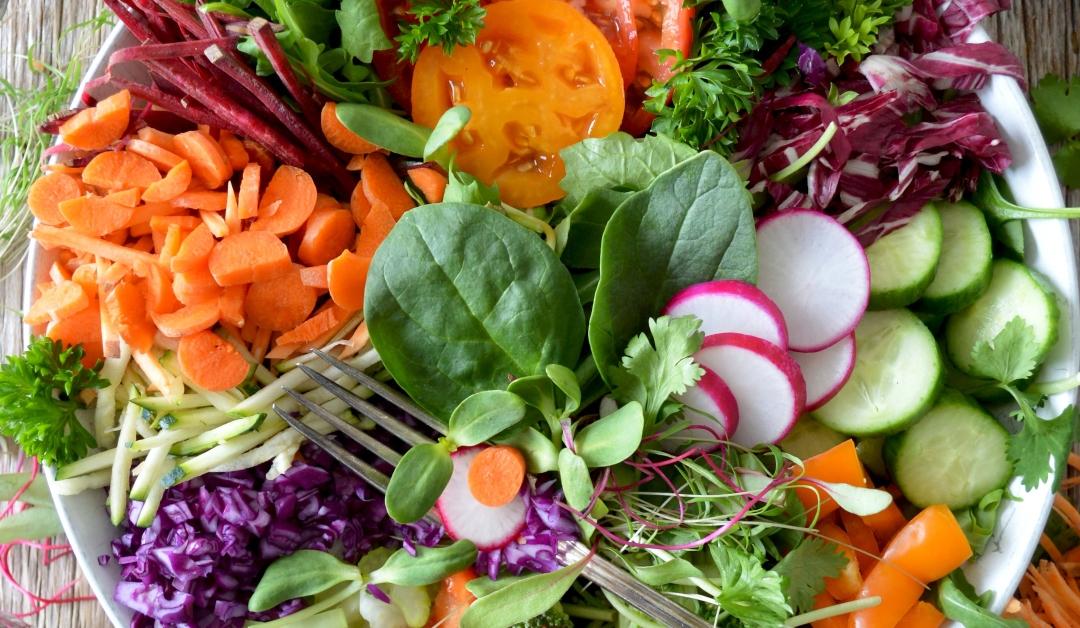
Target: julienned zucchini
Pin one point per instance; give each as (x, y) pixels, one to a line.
(953, 455)
(964, 269)
(903, 263)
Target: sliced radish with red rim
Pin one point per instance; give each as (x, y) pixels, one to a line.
(730, 306)
(826, 371)
(710, 403)
(466, 518)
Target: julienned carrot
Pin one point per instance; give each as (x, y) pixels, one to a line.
(294, 192)
(326, 235)
(120, 236)
(840, 465)
(119, 170)
(359, 205)
(922, 615)
(314, 277)
(170, 244)
(47, 192)
(215, 223)
(845, 585)
(176, 181)
(249, 256)
(157, 138)
(97, 127)
(862, 537)
(195, 286)
(207, 160)
(161, 157)
(82, 327)
(453, 599)
(186, 223)
(203, 200)
(312, 328)
(145, 243)
(257, 153)
(95, 215)
(248, 199)
(280, 304)
(141, 229)
(430, 182)
(260, 343)
(160, 298)
(360, 338)
(128, 198)
(232, 305)
(125, 305)
(383, 185)
(86, 276)
(496, 475)
(210, 362)
(58, 301)
(346, 276)
(234, 150)
(188, 319)
(112, 274)
(377, 225)
(195, 250)
(58, 272)
(339, 136)
(232, 211)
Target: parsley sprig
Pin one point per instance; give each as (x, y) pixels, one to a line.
(39, 396)
(446, 23)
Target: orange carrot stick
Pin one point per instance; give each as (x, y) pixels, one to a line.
(232, 211)
(216, 223)
(314, 327)
(202, 200)
(248, 198)
(50, 237)
(210, 362)
(315, 277)
(146, 212)
(46, 194)
(232, 305)
(260, 344)
(160, 298)
(280, 304)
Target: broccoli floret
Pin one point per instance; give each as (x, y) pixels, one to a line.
(554, 617)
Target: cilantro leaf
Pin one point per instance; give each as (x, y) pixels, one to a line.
(1067, 163)
(361, 30)
(651, 374)
(748, 591)
(1031, 448)
(805, 568)
(1011, 356)
(1057, 106)
(446, 23)
(39, 396)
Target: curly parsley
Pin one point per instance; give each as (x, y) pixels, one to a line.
(446, 23)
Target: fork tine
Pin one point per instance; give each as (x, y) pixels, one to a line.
(383, 391)
(381, 418)
(356, 465)
(346, 428)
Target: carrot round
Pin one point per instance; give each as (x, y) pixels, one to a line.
(202, 200)
(97, 127)
(82, 327)
(431, 183)
(845, 586)
(496, 474)
(314, 327)
(232, 305)
(346, 276)
(377, 225)
(157, 138)
(58, 301)
(249, 256)
(208, 161)
(119, 170)
(46, 194)
(128, 198)
(247, 200)
(195, 286)
(234, 150)
(160, 298)
(453, 599)
(125, 305)
(210, 362)
(188, 319)
(194, 250)
(326, 235)
(95, 215)
(287, 203)
(339, 136)
(161, 157)
(258, 154)
(383, 185)
(359, 205)
(280, 304)
(176, 181)
(315, 277)
(324, 202)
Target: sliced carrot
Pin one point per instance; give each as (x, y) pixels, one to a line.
(174, 184)
(95, 215)
(326, 235)
(314, 327)
(248, 198)
(99, 126)
(325, 201)
(922, 615)
(157, 138)
(383, 185)
(496, 475)
(202, 200)
(314, 276)
(232, 305)
(210, 362)
(50, 237)
(160, 298)
(112, 274)
(249, 256)
(294, 192)
(430, 182)
(207, 160)
(845, 585)
(141, 229)
(280, 304)
(65, 169)
(359, 205)
(356, 163)
(126, 308)
(120, 236)
(56, 302)
(234, 150)
(58, 272)
(232, 211)
(146, 212)
(339, 136)
(862, 537)
(86, 276)
(452, 600)
(377, 225)
(82, 327)
(840, 464)
(46, 194)
(119, 170)
(215, 223)
(195, 286)
(128, 198)
(186, 223)
(161, 157)
(145, 243)
(258, 154)
(194, 252)
(188, 319)
(346, 276)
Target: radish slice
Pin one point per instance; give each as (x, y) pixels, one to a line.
(465, 518)
(711, 403)
(765, 380)
(816, 272)
(731, 306)
(826, 371)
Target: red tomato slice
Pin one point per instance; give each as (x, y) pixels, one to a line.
(661, 25)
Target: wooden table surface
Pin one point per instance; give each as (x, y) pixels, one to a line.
(1045, 33)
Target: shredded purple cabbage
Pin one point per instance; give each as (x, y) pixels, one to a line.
(545, 525)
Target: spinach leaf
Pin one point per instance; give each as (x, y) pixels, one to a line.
(619, 162)
(461, 299)
(693, 224)
(361, 30)
(582, 230)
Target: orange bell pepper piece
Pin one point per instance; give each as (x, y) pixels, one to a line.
(839, 465)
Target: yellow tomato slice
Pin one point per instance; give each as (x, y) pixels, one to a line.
(539, 78)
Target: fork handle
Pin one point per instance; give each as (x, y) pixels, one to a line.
(609, 577)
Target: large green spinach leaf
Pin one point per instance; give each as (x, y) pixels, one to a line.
(617, 162)
(461, 299)
(693, 224)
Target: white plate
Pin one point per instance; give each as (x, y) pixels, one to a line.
(1050, 251)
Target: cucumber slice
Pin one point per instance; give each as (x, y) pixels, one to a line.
(809, 438)
(953, 455)
(1013, 291)
(870, 453)
(902, 263)
(897, 376)
(963, 271)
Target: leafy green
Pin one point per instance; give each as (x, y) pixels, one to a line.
(427, 565)
(748, 591)
(361, 30)
(302, 573)
(805, 568)
(37, 494)
(40, 393)
(450, 123)
(522, 599)
(32, 524)
(999, 209)
(856, 30)
(1056, 103)
(652, 248)
(651, 374)
(1011, 356)
(978, 522)
(385, 128)
(578, 236)
(618, 162)
(483, 415)
(417, 482)
(462, 187)
(611, 439)
(461, 299)
(960, 606)
(574, 479)
(445, 23)
(1067, 164)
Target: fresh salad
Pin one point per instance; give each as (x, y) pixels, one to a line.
(727, 290)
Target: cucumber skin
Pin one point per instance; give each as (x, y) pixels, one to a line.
(906, 295)
(956, 301)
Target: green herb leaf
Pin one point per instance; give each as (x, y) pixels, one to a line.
(978, 522)
(1011, 356)
(428, 566)
(522, 600)
(418, 480)
(32, 524)
(566, 381)
(574, 477)
(452, 121)
(1067, 164)
(384, 128)
(462, 187)
(805, 568)
(1039, 440)
(667, 572)
(486, 586)
(617, 162)
(748, 591)
(651, 374)
(541, 455)
(302, 573)
(959, 607)
(361, 30)
(857, 500)
(613, 438)
(445, 23)
(537, 391)
(1056, 103)
(484, 415)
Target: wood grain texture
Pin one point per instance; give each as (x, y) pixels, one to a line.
(1044, 33)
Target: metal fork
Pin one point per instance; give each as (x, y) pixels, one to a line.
(597, 570)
